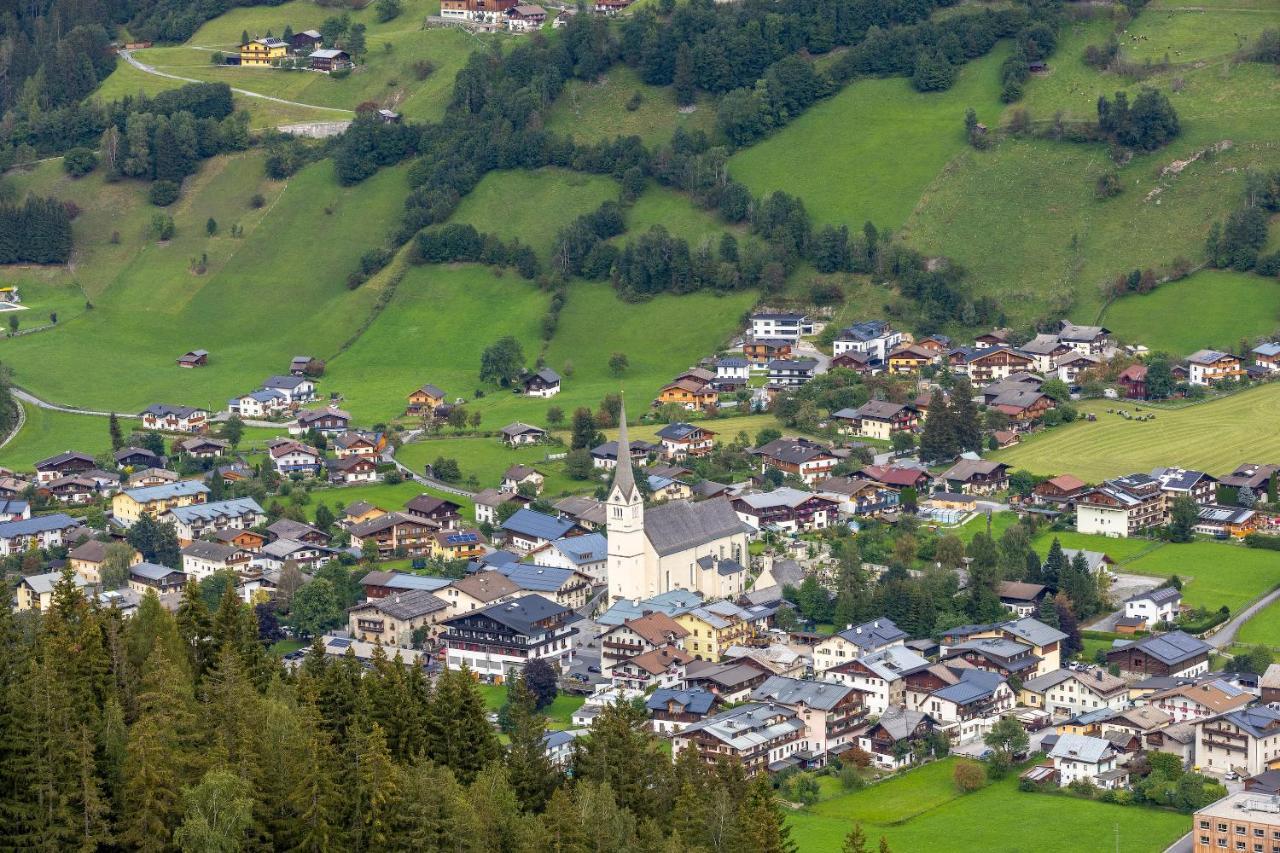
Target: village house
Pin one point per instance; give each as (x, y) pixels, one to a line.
(909, 358)
(566, 587)
(896, 725)
(673, 710)
(35, 592)
(380, 584)
(88, 558)
(1070, 367)
(1250, 475)
(1045, 350)
(1087, 340)
(166, 418)
(263, 51)
(1122, 507)
(1208, 367)
(667, 489)
(786, 510)
(357, 443)
(759, 736)
(605, 456)
(968, 706)
(1225, 521)
(1187, 703)
(527, 530)
(690, 393)
(1021, 599)
(714, 627)
(1267, 356)
(880, 676)
(307, 555)
(761, 351)
(1171, 654)
(855, 641)
(663, 667)
(525, 18)
(859, 362)
(522, 475)
(645, 633)
(296, 389)
(877, 419)
(832, 713)
(791, 372)
(150, 576)
(587, 553)
(426, 399)
(487, 502)
(1246, 741)
(995, 654)
(1084, 758)
(291, 457)
(394, 620)
(65, 464)
(201, 559)
(1023, 406)
(329, 59)
(78, 489)
(1181, 483)
(195, 521)
(359, 511)
(479, 590)
(130, 505)
(305, 365)
(1061, 490)
(1068, 692)
(732, 372)
(682, 440)
(808, 460)
(395, 532)
(258, 404)
(1132, 382)
(504, 636)
(543, 382)
(14, 510)
(328, 421)
(986, 365)
(287, 528)
(151, 477)
(858, 495)
(1045, 641)
(898, 477)
(781, 325)
(441, 511)
(1154, 606)
(518, 434)
(480, 11)
(348, 470)
(976, 477)
(875, 338)
(194, 358)
(203, 448)
(134, 457)
(456, 544)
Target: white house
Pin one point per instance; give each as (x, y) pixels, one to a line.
(291, 457)
(1067, 692)
(296, 389)
(879, 676)
(201, 559)
(168, 418)
(856, 641)
(873, 337)
(1154, 606)
(1089, 758)
(194, 521)
(785, 326)
(733, 369)
(258, 404)
(42, 531)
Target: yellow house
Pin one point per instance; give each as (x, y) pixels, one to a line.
(130, 505)
(88, 558)
(263, 51)
(35, 592)
(713, 628)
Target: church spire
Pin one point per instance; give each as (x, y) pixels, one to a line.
(624, 482)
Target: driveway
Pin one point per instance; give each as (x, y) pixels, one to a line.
(808, 350)
(1124, 586)
(1226, 635)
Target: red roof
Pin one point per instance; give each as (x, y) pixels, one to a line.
(1133, 373)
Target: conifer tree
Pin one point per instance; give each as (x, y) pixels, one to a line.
(467, 742)
(434, 809)
(964, 418)
(530, 771)
(113, 425)
(1055, 563)
(372, 791)
(195, 627)
(855, 841)
(562, 828)
(763, 828)
(937, 439)
(316, 798)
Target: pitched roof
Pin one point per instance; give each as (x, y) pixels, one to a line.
(487, 586)
(1082, 748)
(1261, 721)
(165, 491)
(537, 525)
(91, 551)
(657, 627)
(793, 451)
(588, 548)
(821, 695)
(658, 660)
(210, 511)
(877, 632)
(1159, 595)
(38, 524)
(404, 580)
(44, 583)
(691, 701)
(216, 551)
(1034, 631)
(519, 428)
(899, 722)
(1172, 648)
(1216, 695)
(152, 571)
(522, 614)
(679, 525)
(412, 604)
(1019, 591)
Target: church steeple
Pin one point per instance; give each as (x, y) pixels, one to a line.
(624, 482)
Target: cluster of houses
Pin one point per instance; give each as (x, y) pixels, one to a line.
(308, 45)
(508, 15)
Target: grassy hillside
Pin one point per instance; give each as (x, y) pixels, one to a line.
(1214, 436)
(1225, 307)
(593, 111)
(870, 151)
(275, 292)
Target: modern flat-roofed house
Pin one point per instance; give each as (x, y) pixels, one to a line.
(1208, 367)
(873, 337)
(1173, 654)
(787, 326)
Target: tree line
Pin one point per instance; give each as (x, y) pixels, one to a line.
(1237, 242)
(38, 231)
(181, 731)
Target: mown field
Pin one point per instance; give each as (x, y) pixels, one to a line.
(1214, 436)
(1213, 573)
(922, 810)
(1263, 629)
(487, 458)
(597, 110)
(1227, 307)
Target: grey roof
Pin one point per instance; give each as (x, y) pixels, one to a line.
(328, 53)
(38, 524)
(996, 646)
(678, 431)
(749, 727)
(1041, 683)
(670, 602)
(1179, 479)
(787, 572)
(1034, 631)
(152, 571)
(287, 528)
(974, 684)
(1082, 748)
(822, 695)
(588, 548)
(546, 374)
(1158, 596)
(781, 496)
(1042, 345)
(528, 522)
(1208, 356)
(624, 482)
(284, 382)
(1269, 349)
(282, 549)
(168, 490)
(521, 614)
(878, 409)
(519, 428)
(877, 632)
(968, 468)
(536, 578)
(44, 583)
(163, 409)
(1082, 334)
(693, 701)
(210, 511)
(864, 331)
(202, 550)
(1093, 559)
(1259, 721)
(793, 450)
(404, 580)
(894, 662)
(899, 722)
(406, 605)
(678, 525)
(1172, 648)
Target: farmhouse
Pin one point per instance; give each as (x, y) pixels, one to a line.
(877, 419)
(1267, 356)
(1172, 654)
(1132, 381)
(64, 464)
(1062, 489)
(543, 382)
(808, 460)
(204, 448)
(1208, 367)
(681, 440)
(166, 418)
(786, 509)
(517, 434)
(329, 59)
(524, 18)
(263, 51)
(426, 399)
(329, 421)
(306, 41)
(692, 394)
(194, 358)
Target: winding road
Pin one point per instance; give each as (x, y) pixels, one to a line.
(32, 399)
(151, 69)
(1226, 635)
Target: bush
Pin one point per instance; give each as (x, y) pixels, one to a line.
(164, 193)
(1108, 186)
(968, 777)
(423, 68)
(79, 162)
(633, 103)
(257, 201)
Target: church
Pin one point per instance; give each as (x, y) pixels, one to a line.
(700, 547)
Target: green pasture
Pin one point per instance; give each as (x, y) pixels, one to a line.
(488, 458)
(593, 111)
(926, 812)
(385, 496)
(870, 151)
(1213, 436)
(1188, 31)
(1262, 629)
(47, 433)
(1223, 308)
(674, 211)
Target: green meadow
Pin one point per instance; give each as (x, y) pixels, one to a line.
(592, 111)
(922, 810)
(487, 458)
(1262, 629)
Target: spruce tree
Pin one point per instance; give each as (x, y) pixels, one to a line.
(316, 799)
(530, 771)
(855, 841)
(113, 425)
(467, 742)
(937, 439)
(372, 793)
(1054, 565)
(763, 828)
(1047, 613)
(562, 827)
(964, 418)
(196, 628)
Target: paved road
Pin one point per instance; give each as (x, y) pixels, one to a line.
(1124, 586)
(150, 69)
(1226, 635)
(808, 350)
(28, 397)
(17, 427)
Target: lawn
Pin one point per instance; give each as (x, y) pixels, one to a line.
(559, 713)
(533, 206)
(1213, 573)
(1262, 629)
(1226, 306)
(47, 433)
(1214, 436)
(1000, 522)
(1180, 32)
(925, 812)
(869, 152)
(595, 111)
(265, 297)
(673, 211)
(382, 495)
(487, 458)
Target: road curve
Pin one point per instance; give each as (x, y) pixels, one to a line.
(151, 69)
(1226, 635)
(28, 397)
